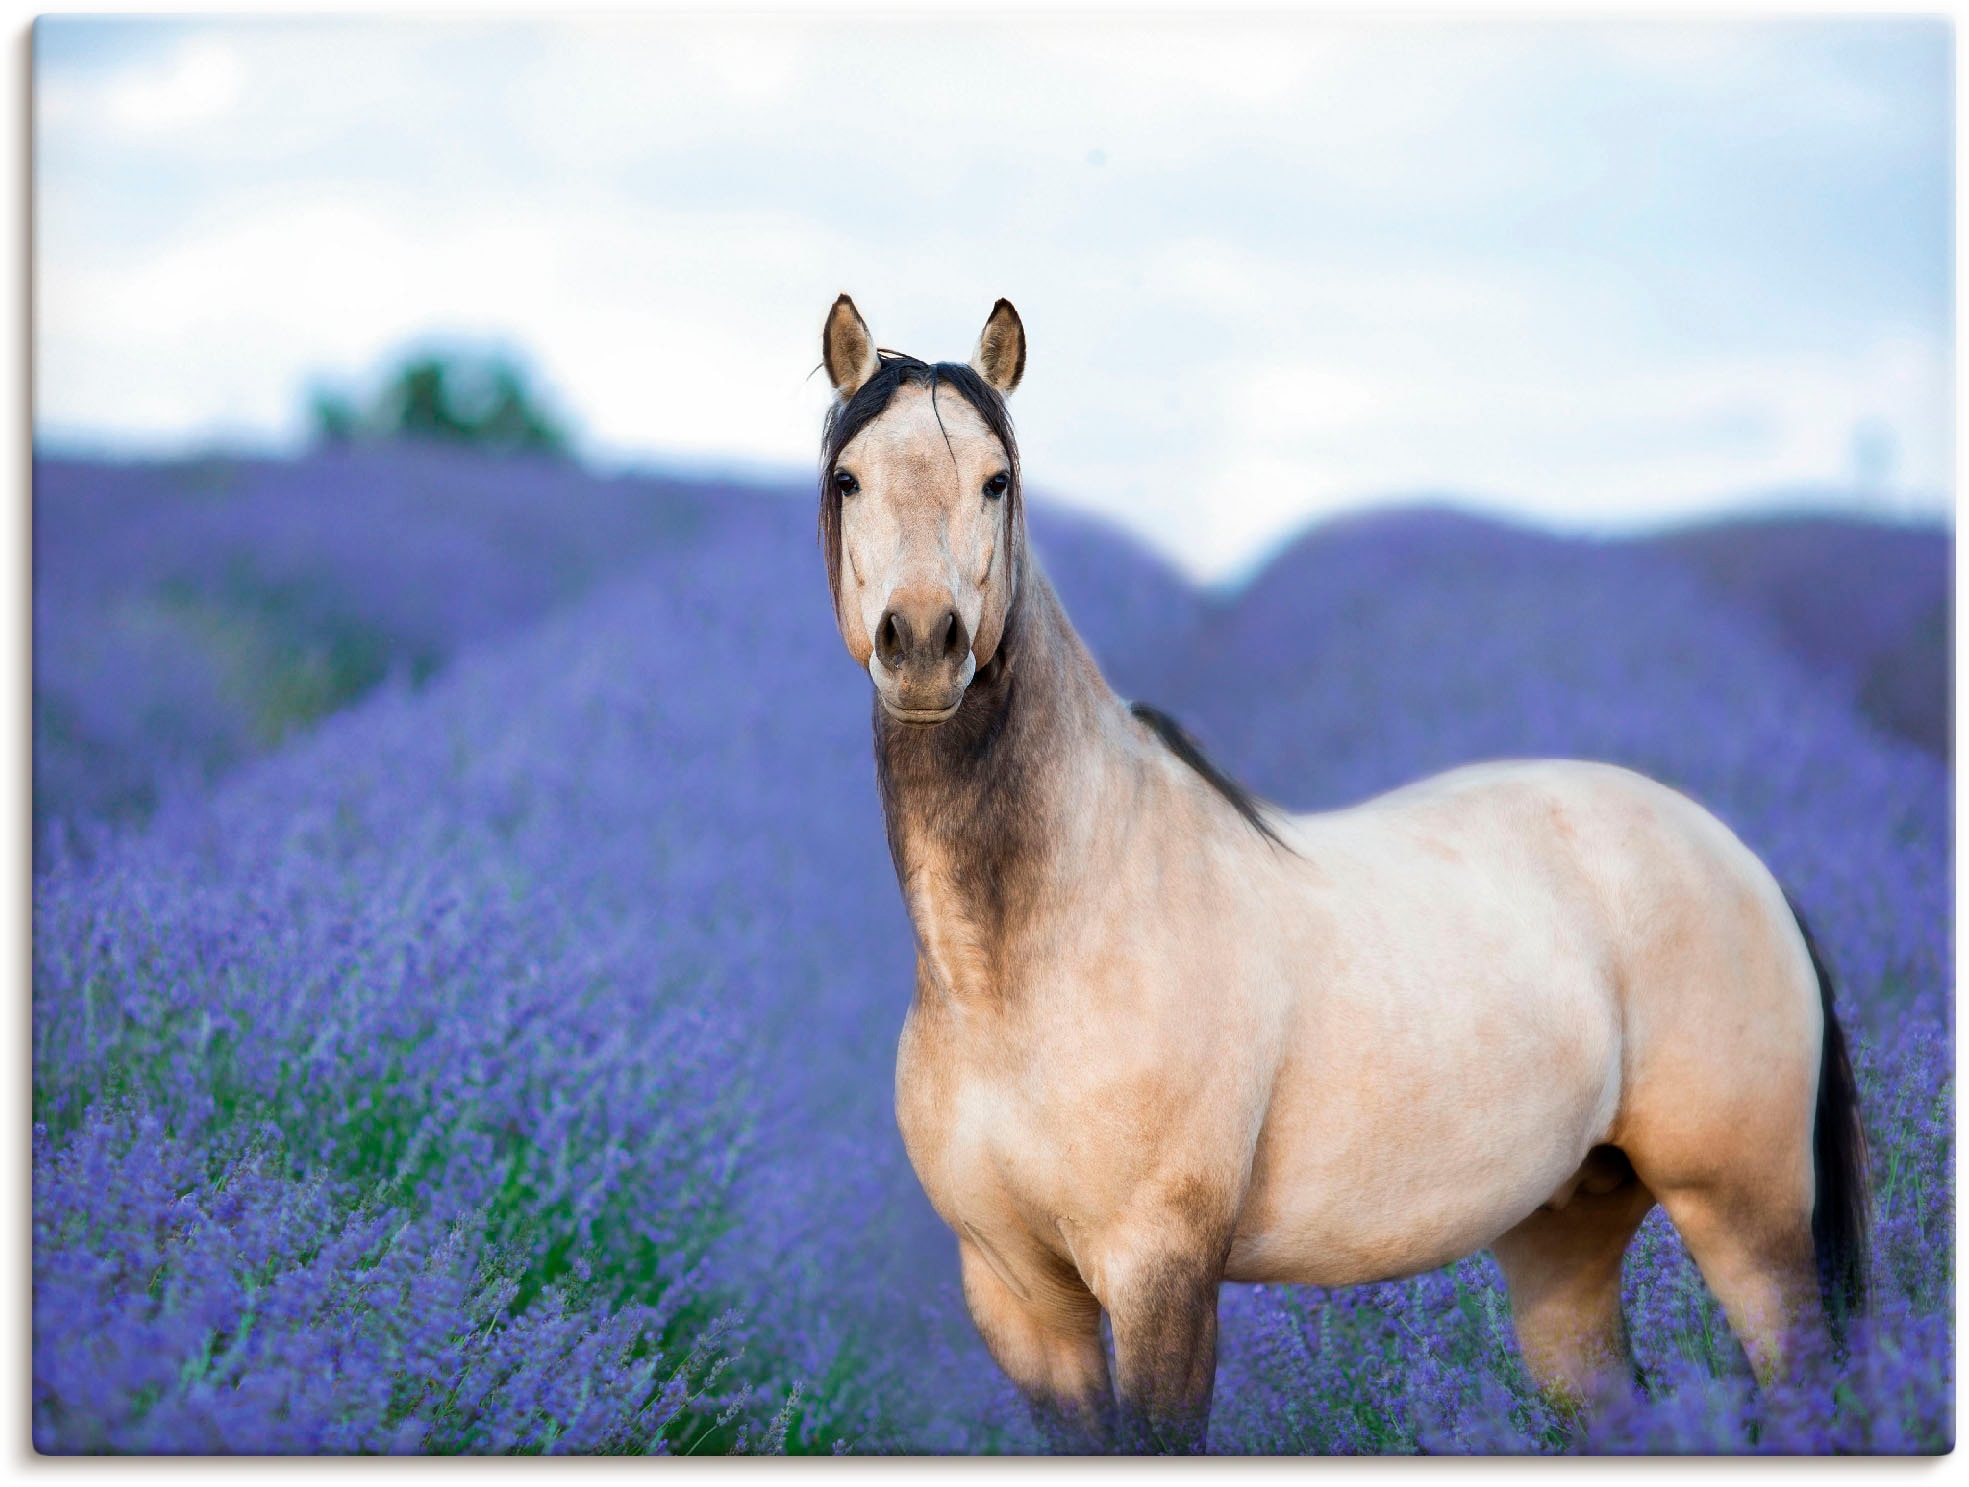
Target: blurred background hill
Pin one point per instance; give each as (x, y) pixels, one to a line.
(1869, 605)
(190, 615)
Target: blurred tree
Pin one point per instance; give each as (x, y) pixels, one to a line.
(470, 398)
(333, 416)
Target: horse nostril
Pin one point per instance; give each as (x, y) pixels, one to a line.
(955, 641)
(889, 641)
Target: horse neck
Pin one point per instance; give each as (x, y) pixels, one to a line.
(985, 811)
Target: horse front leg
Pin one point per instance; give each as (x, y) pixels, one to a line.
(1050, 1347)
(1164, 1314)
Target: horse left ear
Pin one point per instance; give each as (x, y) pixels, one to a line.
(1001, 355)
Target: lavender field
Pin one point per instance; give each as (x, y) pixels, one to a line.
(467, 963)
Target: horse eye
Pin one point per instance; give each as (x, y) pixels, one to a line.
(845, 483)
(998, 485)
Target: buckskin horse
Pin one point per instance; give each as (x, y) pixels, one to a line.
(1166, 1035)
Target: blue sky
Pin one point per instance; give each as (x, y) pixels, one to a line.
(1590, 272)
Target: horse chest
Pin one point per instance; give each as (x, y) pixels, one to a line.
(962, 1132)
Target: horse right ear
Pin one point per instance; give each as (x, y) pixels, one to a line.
(847, 350)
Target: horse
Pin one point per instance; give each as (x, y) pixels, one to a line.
(1165, 1034)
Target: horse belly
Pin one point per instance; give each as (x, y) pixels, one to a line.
(1387, 1190)
(1429, 1105)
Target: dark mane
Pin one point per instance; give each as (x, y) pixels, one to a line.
(1185, 748)
(871, 399)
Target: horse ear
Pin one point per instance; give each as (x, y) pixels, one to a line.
(1001, 355)
(847, 349)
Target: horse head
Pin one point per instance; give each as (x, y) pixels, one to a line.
(920, 509)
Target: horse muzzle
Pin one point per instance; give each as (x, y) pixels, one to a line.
(922, 661)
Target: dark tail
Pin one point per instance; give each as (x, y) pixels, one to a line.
(1840, 1214)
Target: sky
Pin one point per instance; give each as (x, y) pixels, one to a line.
(1592, 273)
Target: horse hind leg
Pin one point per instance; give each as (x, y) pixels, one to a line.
(1562, 1269)
(1739, 1188)
(1753, 1245)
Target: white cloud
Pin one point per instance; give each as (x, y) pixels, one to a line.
(196, 80)
(202, 82)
